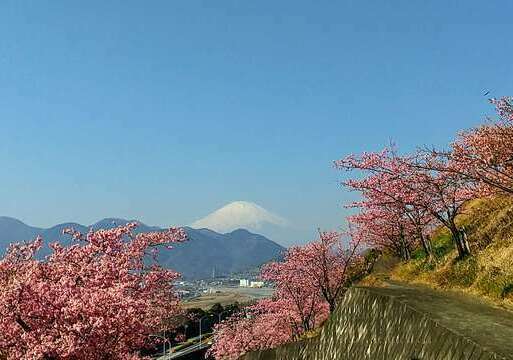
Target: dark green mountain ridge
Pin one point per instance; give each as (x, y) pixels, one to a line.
(205, 250)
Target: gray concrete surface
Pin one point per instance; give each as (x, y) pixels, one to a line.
(402, 322)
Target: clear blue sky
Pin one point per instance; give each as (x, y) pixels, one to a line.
(167, 110)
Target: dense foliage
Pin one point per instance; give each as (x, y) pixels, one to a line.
(309, 282)
(95, 299)
(484, 154)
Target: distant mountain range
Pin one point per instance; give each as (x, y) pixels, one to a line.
(205, 252)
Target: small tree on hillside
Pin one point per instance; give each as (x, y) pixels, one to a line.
(325, 266)
(384, 229)
(387, 202)
(416, 182)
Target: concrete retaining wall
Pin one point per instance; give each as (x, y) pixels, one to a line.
(372, 325)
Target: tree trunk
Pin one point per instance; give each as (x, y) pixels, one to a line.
(405, 249)
(426, 244)
(333, 306)
(460, 241)
(306, 325)
(464, 240)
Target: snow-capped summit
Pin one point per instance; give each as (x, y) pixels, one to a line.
(237, 215)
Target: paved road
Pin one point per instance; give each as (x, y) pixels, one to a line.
(190, 349)
(185, 351)
(469, 316)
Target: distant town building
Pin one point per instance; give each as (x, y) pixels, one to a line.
(244, 283)
(183, 293)
(256, 284)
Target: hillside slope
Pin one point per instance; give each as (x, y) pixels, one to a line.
(489, 272)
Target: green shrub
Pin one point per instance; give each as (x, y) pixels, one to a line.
(442, 245)
(418, 254)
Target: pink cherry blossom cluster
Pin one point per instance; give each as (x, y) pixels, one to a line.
(252, 330)
(308, 284)
(484, 154)
(95, 299)
(403, 197)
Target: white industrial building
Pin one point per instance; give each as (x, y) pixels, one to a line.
(256, 284)
(253, 284)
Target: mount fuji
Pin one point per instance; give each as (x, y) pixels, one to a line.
(252, 217)
(239, 215)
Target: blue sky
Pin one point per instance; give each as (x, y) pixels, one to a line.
(167, 110)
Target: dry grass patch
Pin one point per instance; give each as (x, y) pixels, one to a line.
(489, 272)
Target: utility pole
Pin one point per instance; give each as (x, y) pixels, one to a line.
(200, 320)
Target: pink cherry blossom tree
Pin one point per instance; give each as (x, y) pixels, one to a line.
(96, 299)
(444, 195)
(415, 183)
(295, 295)
(387, 201)
(484, 154)
(385, 229)
(390, 216)
(267, 324)
(325, 266)
(309, 282)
